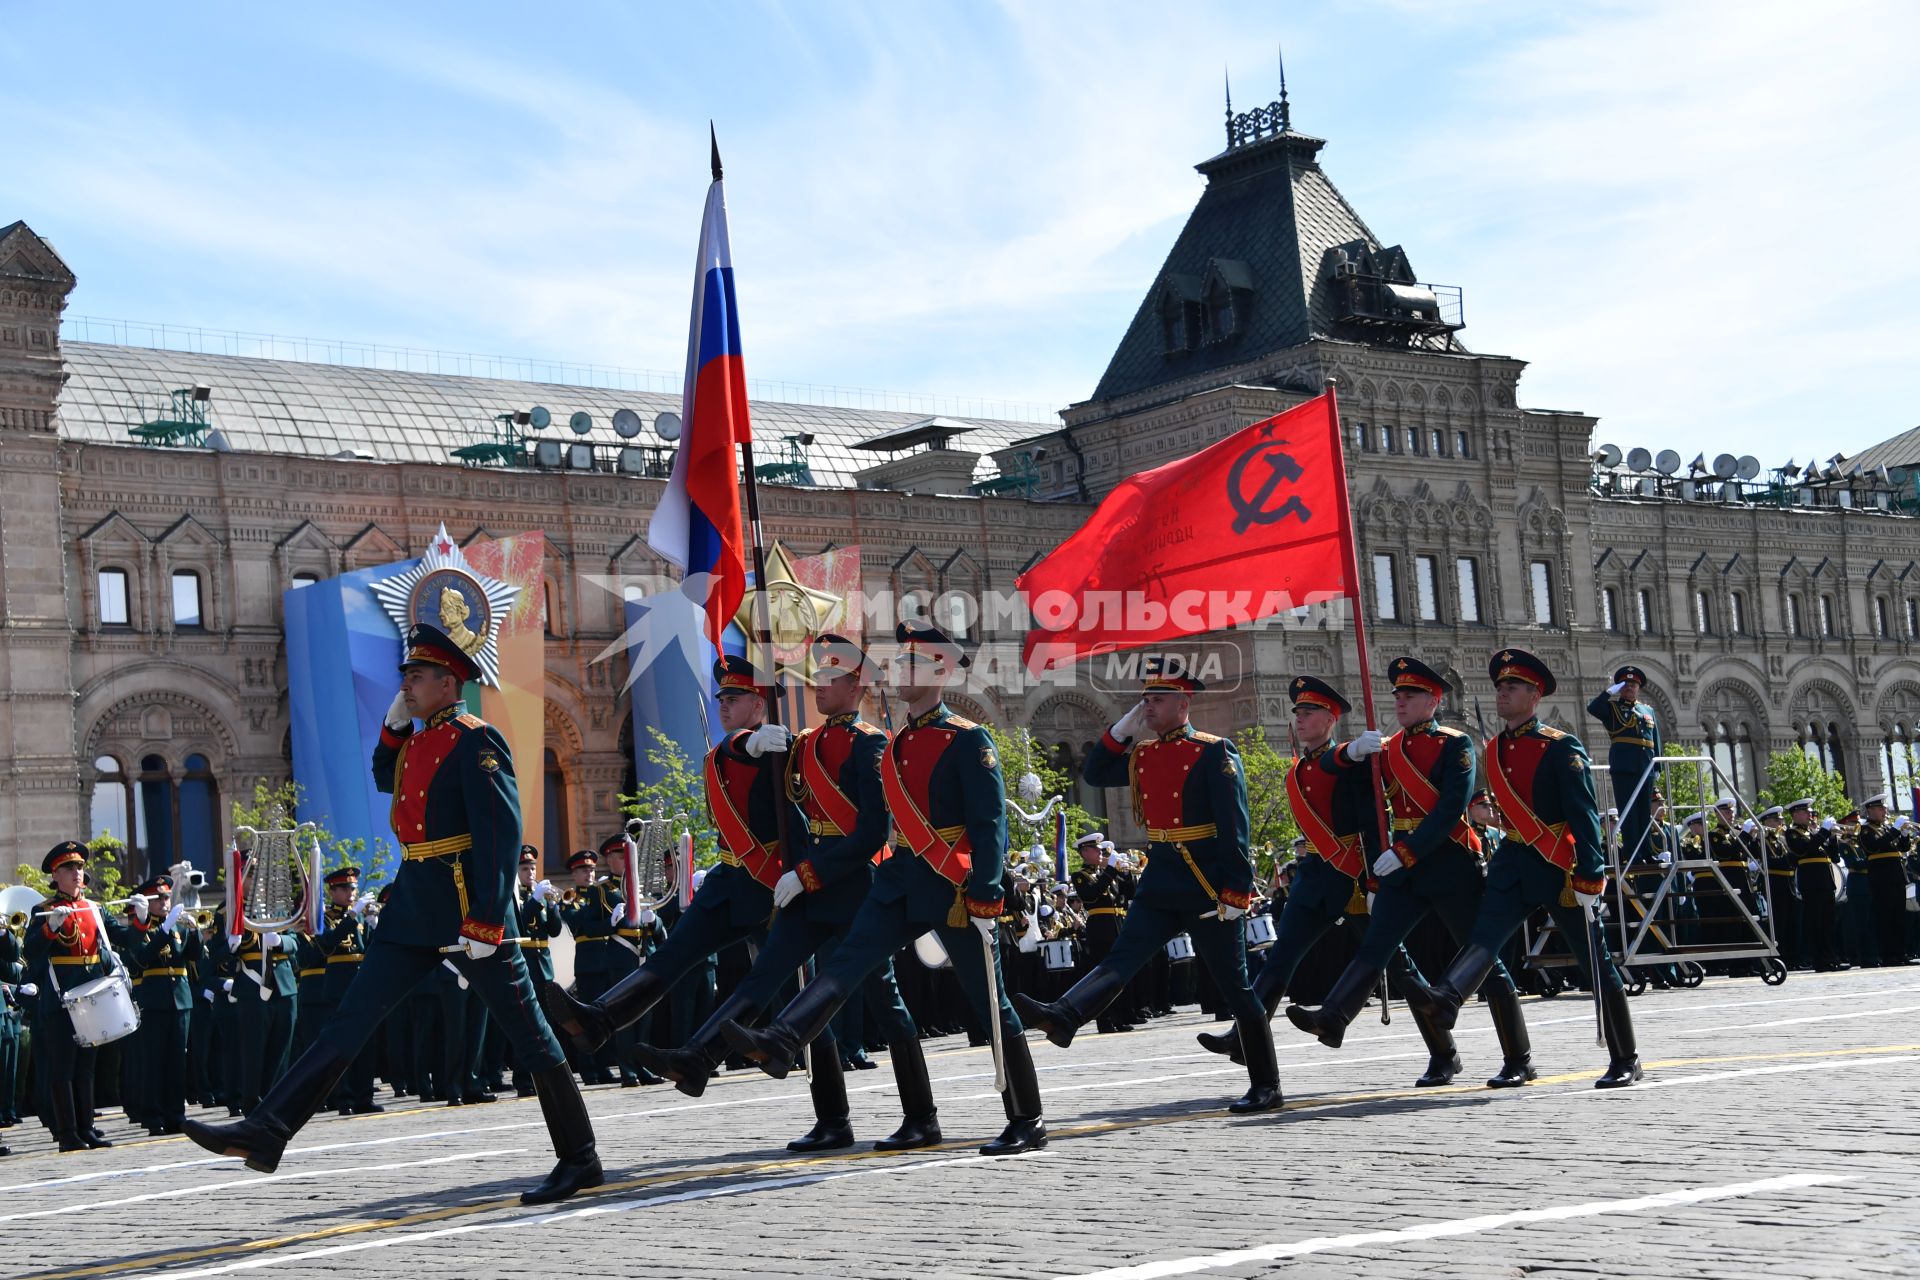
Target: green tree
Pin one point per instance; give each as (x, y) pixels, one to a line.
(106, 875)
(1688, 788)
(1273, 827)
(1794, 775)
(681, 788)
(275, 806)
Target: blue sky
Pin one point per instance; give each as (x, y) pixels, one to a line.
(1694, 219)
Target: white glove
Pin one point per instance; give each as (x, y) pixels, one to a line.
(227, 985)
(399, 719)
(787, 888)
(206, 993)
(1115, 861)
(141, 910)
(59, 915)
(270, 940)
(1613, 690)
(543, 891)
(768, 737)
(359, 908)
(1230, 912)
(646, 916)
(477, 950)
(1829, 824)
(1129, 726)
(1365, 745)
(987, 925)
(173, 917)
(1586, 899)
(29, 988)
(1386, 864)
(1747, 826)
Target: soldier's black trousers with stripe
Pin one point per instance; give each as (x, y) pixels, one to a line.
(392, 970)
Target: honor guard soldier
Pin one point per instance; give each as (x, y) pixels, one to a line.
(1191, 795)
(1104, 885)
(947, 798)
(163, 946)
(1816, 852)
(1551, 857)
(1633, 744)
(456, 811)
(1778, 860)
(65, 935)
(1335, 810)
(343, 949)
(1885, 848)
(833, 776)
(744, 789)
(1432, 867)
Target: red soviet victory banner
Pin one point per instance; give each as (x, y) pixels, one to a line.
(1247, 527)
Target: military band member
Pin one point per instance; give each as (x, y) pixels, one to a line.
(456, 811)
(588, 910)
(1105, 885)
(266, 988)
(12, 1002)
(1551, 857)
(947, 798)
(1633, 744)
(1778, 861)
(1335, 809)
(735, 899)
(1816, 851)
(1432, 867)
(63, 950)
(1885, 848)
(163, 946)
(833, 776)
(537, 903)
(342, 945)
(1190, 793)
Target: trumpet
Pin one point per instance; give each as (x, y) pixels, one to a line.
(202, 917)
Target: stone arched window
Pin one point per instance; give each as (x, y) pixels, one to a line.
(110, 805)
(557, 811)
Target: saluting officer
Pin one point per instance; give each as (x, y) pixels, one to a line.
(833, 776)
(744, 787)
(164, 946)
(1885, 848)
(456, 811)
(947, 797)
(63, 945)
(1551, 857)
(1633, 745)
(1190, 793)
(1432, 868)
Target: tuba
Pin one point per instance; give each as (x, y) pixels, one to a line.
(17, 904)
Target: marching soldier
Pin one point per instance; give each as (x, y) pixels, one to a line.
(833, 775)
(343, 949)
(456, 811)
(1340, 836)
(1885, 848)
(1777, 856)
(163, 946)
(1104, 886)
(1189, 791)
(1551, 857)
(1432, 867)
(63, 946)
(947, 797)
(735, 899)
(537, 903)
(1633, 745)
(1815, 851)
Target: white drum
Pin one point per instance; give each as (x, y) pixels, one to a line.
(931, 952)
(1057, 954)
(102, 1010)
(1180, 947)
(1260, 932)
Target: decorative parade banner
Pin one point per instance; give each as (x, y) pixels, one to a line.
(343, 657)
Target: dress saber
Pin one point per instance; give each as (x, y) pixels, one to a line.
(993, 1013)
(1594, 955)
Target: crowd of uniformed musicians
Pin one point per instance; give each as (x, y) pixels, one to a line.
(793, 951)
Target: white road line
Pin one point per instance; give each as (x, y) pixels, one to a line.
(254, 1181)
(891, 1168)
(118, 1173)
(1457, 1227)
(1792, 1022)
(1705, 1077)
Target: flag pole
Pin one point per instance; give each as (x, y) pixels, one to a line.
(1350, 544)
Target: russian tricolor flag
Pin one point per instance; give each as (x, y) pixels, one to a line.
(697, 524)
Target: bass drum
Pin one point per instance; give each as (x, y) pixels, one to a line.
(102, 1010)
(931, 952)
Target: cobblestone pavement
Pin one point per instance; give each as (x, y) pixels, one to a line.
(1777, 1135)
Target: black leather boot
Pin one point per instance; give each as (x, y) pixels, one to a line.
(1443, 1056)
(1061, 1019)
(1623, 1054)
(1263, 1069)
(776, 1046)
(83, 1118)
(1343, 1004)
(572, 1134)
(589, 1026)
(920, 1125)
(1026, 1130)
(831, 1128)
(60, 1103)
(1441, 1003)
(1269, 990)
(262, 1137)
(1510, 1025)
(691, 1065)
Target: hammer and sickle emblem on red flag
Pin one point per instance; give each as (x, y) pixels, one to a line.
(1271, 466)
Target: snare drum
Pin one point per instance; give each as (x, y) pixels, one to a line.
(1057, 954)
(1180, 947)
(1260, 932)
(102, 1011)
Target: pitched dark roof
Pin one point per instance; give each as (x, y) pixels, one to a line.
(1902, 450)
(1263, 227)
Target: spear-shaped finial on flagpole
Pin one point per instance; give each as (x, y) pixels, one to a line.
(714, 138)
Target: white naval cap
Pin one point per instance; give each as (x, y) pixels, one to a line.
(1880, 799)
(1092, 837)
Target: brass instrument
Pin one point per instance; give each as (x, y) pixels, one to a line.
(202, 917)
(17, 922)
